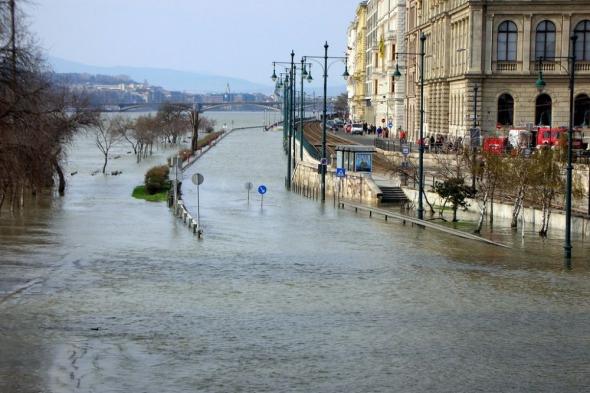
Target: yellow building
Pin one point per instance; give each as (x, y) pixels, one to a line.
(357, 43)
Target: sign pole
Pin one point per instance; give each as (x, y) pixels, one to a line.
(198, 209)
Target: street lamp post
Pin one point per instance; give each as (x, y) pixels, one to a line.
(325, 67)
(397, 74)
(540, 84)
(473, 146)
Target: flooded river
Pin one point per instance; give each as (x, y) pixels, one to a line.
(104, 293)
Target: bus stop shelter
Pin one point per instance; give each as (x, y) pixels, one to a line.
(355, 158)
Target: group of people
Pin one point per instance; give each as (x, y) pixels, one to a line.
(441, 143)
(371, 129)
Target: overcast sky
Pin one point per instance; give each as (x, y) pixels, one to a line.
(237, 38)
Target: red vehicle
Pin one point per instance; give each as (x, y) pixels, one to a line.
(550, 137)
(495, 144)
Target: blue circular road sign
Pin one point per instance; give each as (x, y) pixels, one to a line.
(262, 189)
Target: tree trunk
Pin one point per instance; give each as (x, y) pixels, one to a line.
(518, 205)
(482, 213)
(455, 208)
(104, 167)
(61, 188)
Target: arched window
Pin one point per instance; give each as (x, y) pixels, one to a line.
(582, 31)
(505, 110)
(582, 110)
(543, 110)
(545, 40)
(507, 41)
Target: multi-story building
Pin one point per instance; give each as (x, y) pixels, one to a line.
(385, 33)
(492, 48)
(357, 44)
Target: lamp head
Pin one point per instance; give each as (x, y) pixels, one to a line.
(346, 75)
(304, 71)
(396, 73)
(274, 74)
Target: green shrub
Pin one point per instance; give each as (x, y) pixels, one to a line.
(156, 179)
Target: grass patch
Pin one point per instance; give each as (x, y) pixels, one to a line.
(139, 192)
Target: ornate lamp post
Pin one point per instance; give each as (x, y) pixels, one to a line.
(289, 109)
(397, 74)
(345, 75)
(540, 84)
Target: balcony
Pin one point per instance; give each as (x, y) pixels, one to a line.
(583, 66)
(545, 66)
(507, 66)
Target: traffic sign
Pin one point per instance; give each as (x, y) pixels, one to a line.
(262, 189)
(197, 179)
(340, 172)
(249, 186)
(390, 125)
(405, 150)
(324, 161)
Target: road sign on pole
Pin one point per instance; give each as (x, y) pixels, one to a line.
(249, 187)
(261, 191)
(340, 172)
(405, 150)
(197, 179)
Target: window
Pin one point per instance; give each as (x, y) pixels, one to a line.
(582, 31)
(545, 40)
(393, 52)
(392, 84)
(582, 110)
(507, 41)
(543, 110)
(375, 86)
(505, 110)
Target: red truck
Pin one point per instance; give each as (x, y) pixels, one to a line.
(549, 137)
(495, 144)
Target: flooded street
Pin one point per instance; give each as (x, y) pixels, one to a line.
(105, 293)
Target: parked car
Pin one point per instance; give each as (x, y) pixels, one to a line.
(357, 129)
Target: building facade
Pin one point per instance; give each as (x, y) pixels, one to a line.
(483, 58)
(357, 43)
(385, 31)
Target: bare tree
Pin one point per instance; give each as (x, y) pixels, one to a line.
(488, 174)
(107, 133)
(37, 118)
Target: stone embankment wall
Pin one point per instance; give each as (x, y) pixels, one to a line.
(356, 187)
(532, 217)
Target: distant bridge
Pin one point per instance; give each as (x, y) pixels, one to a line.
(204, 106)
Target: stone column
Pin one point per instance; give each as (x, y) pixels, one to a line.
(526, 44)
(489, 38)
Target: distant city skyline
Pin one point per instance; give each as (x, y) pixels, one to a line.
(233, 38)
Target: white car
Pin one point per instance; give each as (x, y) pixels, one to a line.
(357, 128)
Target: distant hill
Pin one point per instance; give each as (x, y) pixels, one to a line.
(178, 80)
(168, 79)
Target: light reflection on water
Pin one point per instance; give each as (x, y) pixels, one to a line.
(291, 297)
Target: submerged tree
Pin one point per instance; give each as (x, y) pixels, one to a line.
(107, 133)
(37, 118)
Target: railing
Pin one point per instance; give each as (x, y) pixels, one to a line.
(310, 149)
(583, 66)
(392, 145)
(544, 66)
(506, 66)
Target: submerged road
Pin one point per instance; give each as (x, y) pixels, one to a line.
(293, 297)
